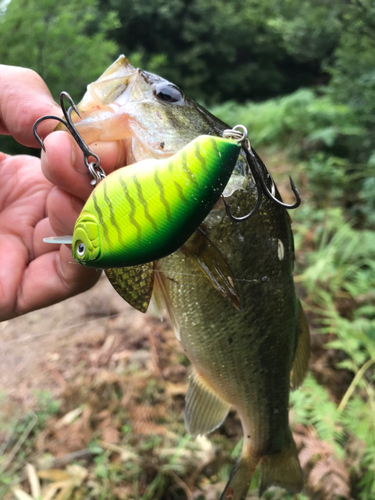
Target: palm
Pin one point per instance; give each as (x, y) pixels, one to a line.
(23, 194)
(32, 273)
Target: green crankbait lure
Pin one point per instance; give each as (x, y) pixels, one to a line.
(148, 210)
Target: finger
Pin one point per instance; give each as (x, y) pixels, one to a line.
(3, 156)
(43, 230)
(111, 154)
(24, 97)
(51, 278)
(63, 211)
(64, 166)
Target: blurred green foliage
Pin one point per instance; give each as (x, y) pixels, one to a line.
(322, 135)
(56, 40)
(342, 36)
(299, 122)
(214, 49)
(338, 276)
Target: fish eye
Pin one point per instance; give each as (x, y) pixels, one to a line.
(81, 249)
(168, 93)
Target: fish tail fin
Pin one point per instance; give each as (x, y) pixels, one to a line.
(281, 469)
(240, 477)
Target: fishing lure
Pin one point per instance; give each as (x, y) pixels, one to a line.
(148, 210)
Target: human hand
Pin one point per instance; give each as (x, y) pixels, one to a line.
(34, 274)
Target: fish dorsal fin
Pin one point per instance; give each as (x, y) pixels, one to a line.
(213, 264)
(135, 284)
(301, 357)
(161, 300)
(204, 410)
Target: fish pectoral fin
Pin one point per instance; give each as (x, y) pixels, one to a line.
(302, 354)
(213, 264)
(135, 284)
(204, 410)
(161, 300)
(281, 469)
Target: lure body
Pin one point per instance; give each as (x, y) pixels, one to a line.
(148, 210)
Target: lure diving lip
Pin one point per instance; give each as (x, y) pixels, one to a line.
(148, 210)
(63, 240)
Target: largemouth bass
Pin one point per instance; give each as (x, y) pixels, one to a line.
(229, 289)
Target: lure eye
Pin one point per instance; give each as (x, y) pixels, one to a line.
(81, 249)
(168, 93)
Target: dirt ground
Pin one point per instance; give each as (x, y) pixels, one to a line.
(41, 350)
(112, 369)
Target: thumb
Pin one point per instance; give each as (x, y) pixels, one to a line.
(24, 97)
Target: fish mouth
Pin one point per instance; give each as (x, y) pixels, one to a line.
(149, 115)
(109, 86)
(100, 117)
(120, 106)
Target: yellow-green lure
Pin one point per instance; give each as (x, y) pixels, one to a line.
(148, 210)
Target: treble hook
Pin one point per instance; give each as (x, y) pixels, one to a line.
(255, 208)
(257, 168)
(94, 167)
(255, 161)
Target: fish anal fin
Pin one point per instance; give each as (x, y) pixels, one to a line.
(135, 284)
(241, 475)
(204, 410)
(214, 266)
(281, 469)
(161, 300)
(302, 354)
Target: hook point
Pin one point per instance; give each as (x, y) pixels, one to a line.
(71, 102)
